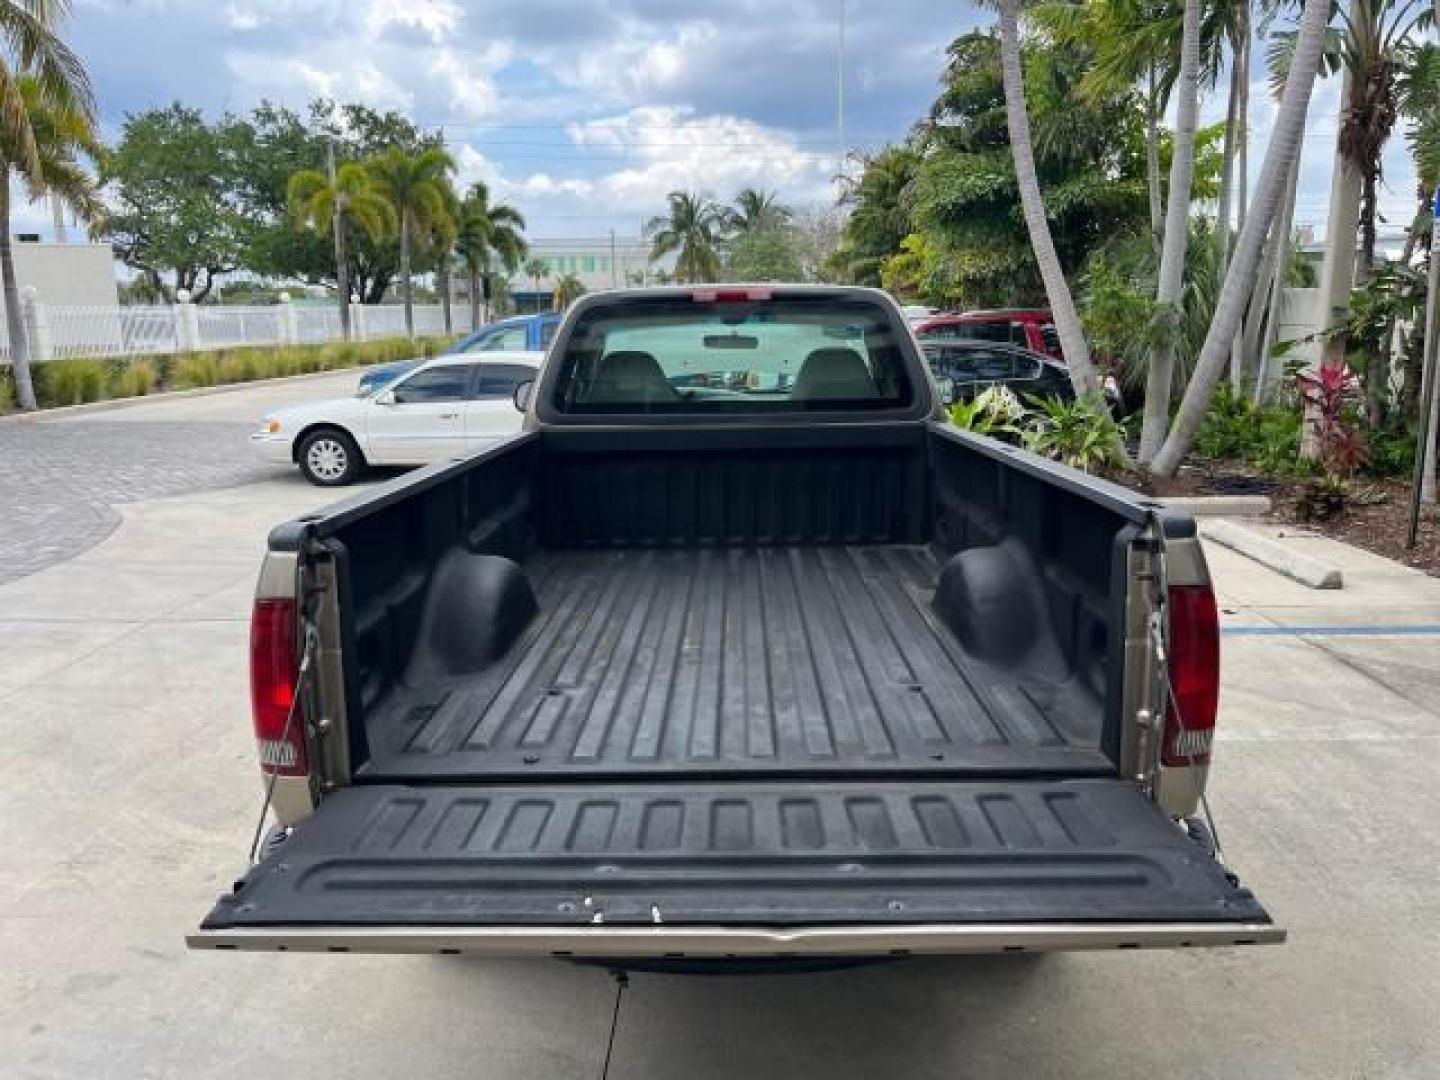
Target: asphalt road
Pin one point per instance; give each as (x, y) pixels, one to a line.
(128, 786)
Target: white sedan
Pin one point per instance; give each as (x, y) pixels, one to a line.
(448, 407)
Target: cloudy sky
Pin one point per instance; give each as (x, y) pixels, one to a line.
(585, 112)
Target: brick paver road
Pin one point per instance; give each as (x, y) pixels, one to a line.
(60, 482)
(62, 476)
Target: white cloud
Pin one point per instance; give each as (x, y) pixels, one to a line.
(335, 74)
(438, 19)
(631, 161)
(638, 61)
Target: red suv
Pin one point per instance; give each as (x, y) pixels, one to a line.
(1030, 328)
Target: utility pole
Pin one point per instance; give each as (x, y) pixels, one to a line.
(614, 266)
(1424, 465)
(840, 96)
(342, 258)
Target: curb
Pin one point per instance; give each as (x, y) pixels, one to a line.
(1220, 505)
(168, 395)
(1309, 572)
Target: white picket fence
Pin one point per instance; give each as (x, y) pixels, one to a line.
(59, 332)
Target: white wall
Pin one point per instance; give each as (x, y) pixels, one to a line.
(72, 275)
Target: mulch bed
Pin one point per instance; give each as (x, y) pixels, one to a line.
(1379, 526)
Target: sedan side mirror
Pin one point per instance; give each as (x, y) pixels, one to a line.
(386, 397)
(522, 394)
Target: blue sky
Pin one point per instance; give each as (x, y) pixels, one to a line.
(585, 112)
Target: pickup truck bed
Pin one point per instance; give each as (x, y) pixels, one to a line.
(755, 676)
(768, 660)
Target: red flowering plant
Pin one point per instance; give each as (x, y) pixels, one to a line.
(1331, 411)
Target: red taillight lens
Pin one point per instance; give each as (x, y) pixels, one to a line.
(274, 667)
(1194, 675)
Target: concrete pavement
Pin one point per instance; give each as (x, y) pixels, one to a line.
(129, 789)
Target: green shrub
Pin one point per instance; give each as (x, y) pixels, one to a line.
(241, 366)
(1265, 437)
(1392, 451)
(135, 379)
(1080, 433)
(69, 382)
(196, 369)
(995, 412)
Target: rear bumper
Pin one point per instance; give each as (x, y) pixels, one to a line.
(715, 942)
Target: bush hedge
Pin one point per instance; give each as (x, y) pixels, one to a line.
(75, 382)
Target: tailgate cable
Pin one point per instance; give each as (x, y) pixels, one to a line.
(1157, 634)
(306, 657)
(622, 983)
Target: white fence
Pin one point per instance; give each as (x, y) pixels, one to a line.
(57, 332)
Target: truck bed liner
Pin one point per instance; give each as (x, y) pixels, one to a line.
(767, 660)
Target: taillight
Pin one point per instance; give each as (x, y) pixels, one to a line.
(729, 296)
(274, 667)
(1194, 675)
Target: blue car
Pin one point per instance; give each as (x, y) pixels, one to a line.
(523, 333)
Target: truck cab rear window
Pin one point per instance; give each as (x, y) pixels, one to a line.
(677, 355)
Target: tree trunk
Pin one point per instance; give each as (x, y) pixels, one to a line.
(1242, 117)
(1177, 236)
(1285, 140)
(342, 273)
(443, 280)
(1152, 161)
(474, 273)
(1242, 362)
(1223, 213)
(406, 285)
(1337, 272)
(1062, 304)
(14, 316)
(1273, 280)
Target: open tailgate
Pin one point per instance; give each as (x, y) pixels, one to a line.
(737, 869)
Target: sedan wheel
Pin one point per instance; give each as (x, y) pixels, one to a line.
(329, 458)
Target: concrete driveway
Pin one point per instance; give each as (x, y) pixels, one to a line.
(129, 788)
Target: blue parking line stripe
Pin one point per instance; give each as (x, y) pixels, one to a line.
(1382, 630)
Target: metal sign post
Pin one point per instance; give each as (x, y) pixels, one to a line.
(1427, 382)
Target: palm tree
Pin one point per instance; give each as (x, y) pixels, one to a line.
(535, 269)
(415, 184)
(1171, 280)
(1062, 303)
(444, 233)
(58, 134)
(487, 231)
(1239, 284)
(568, 289)
(333, 206)
(757, 211)
(1420, 102)
(691, 228)
(47, 117)
(1367, 45)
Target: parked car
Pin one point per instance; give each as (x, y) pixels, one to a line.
(698, 674)
(442, 409)
(1031, 329)
(523, 333)
(964, 368)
